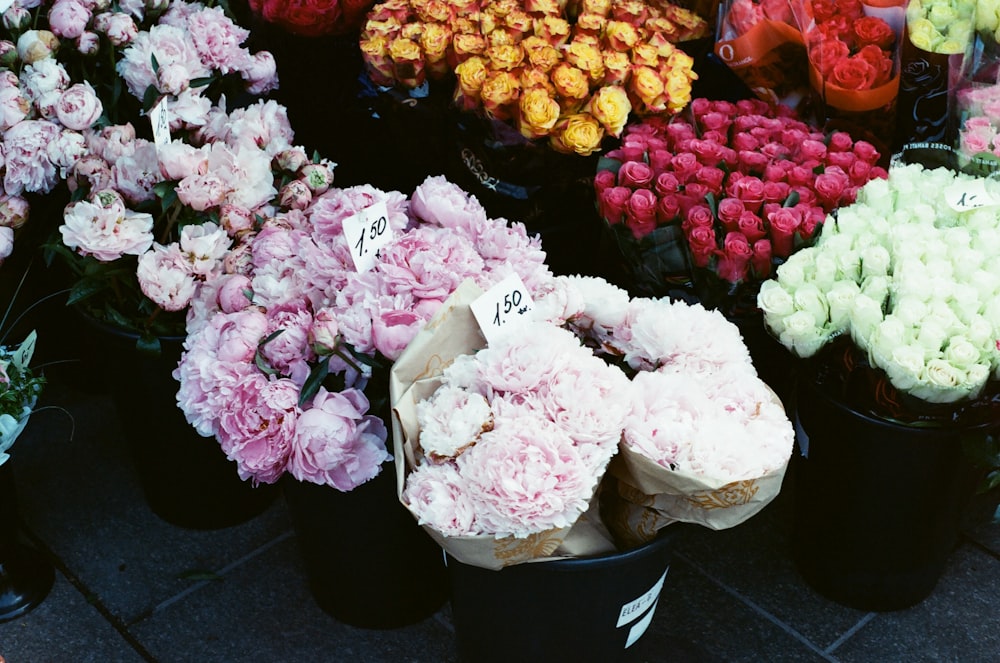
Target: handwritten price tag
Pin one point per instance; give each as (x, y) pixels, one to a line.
(969, 195)
(160, 120)
(502, 307)
(5, 5)
(367, 232)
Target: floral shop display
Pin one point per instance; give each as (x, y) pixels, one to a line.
(894, 314)
(532, 93)
(286, 362)
(25, 576)
(152, 122)
(567, 443)
(703, 206)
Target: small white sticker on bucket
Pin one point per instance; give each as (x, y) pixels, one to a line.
(640, 626)
(631, 610)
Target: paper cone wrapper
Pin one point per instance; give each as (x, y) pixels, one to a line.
(415, 375)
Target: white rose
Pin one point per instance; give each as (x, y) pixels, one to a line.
(809, 298)
(825, 270)
(961, 352)
(792, 273)
(931, 336)
(776, 303)
(909, 308)
(876, 287)
(849, 265)
(802, 335)
(866, 313)
(904, 365)
(840, 299)
(885, 338)
(875, 261)
(944, 383)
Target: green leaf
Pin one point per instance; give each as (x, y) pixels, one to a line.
(154, 62)
(314, 381)
(82, 290)
(258, 357)
(202, 82)
(149, 97)
(792, 200)
(712, 203)
(605, 163)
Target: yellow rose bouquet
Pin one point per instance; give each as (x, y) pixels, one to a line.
(569, 73)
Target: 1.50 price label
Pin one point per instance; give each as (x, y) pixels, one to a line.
(367, 232)
(502, 307)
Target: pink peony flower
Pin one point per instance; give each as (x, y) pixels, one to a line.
(439, 202)
(439, 497)
(164, 277)
(27, 166)
(217, 40)
(257, 427)
(106, 233)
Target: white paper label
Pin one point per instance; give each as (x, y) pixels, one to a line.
(160, 120)
(367, 232)
(631, 610)
(502, 307)
(968, 195)
(5, 5)
(22, 356)
(640, 627)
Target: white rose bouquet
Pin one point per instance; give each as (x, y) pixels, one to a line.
(907, 274)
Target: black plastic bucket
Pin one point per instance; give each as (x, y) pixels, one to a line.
(580, 609)
(367, 562)
(877, 504)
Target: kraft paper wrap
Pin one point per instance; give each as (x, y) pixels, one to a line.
(415, 375)
(649, 497)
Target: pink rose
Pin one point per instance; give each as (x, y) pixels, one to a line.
(750, 190)
(659, 160)
(730, 210)
(711, 177)
(812, 149)
(812, 218)
(708, 153)
(783, 224)
(635, 175)
(829, 186)
(751, 226)
(335, 444)
(667, 209)
(640, 212)
(604, 179)
(840, 141)
(666, 183)
(760, 262)
(776, 192)
(612, 204)
(734, 258)
(745, 143)
(866, 152)
(701, 243)
(685, 165)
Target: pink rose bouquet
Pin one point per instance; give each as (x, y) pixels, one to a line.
(284, 341)
(723, 195)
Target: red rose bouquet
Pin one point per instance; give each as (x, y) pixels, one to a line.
(853, 49)
(760, 40)
(710, 202)
(312, 18)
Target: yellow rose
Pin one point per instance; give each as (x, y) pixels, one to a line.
(580, 134)
(540, 54)
(499, 94)
(375, 53)
(505, 57)
(645, 55)
(539, 113)
(519, 21)
(941, 16)
(610, 106)
(591, 24)
(465, 45)
(570, 83)
(553, 29)
(411, 31)
(616, 67)
(647, 86)
(602, 7)
(987, 15)
(471, 75)
(621, 36)
(677, 87)
(435, 41)
(467, 26)
(389, 27)
(433, 11)
(924, 35)
(587, 58)
(532, 77)
(663, 28)
(543, 7)
(500, 38)
(408, 61)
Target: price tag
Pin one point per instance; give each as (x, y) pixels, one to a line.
(5, 5)
(160, 120)
(502, 307)
(24, 351)
(969, 195)
(367, 232)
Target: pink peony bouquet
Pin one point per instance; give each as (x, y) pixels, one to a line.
(282, 346)
(723, 195)
(603, 417)
(128, 106)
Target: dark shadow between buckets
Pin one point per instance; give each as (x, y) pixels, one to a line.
(579, 609)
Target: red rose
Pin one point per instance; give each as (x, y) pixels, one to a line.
(806, 194)
(799, 176)
(752, 162)
(853, 74)
(668, 209)
(633, 151)
(760, 262)
(715, 121)
(824, 10)
(751, 226)
(812, 149)
(828, 53)
(612, 203)
(711, 177)
(635, 175)
(829, 186)
(840, 141)
(812, 219)
(696, 191)
(873, 30)
(310, 18)
(640, 212)
(730, 210)
(734, 259)
(659, 160)
(777, 171)
(774, 151)
(701, 243)
(700, 106)
(792, 138)
(775, 192)
(744, 15)
(678, 131)
(604, 179)
(698, 215)
(878, 59)
(666, 183)
(782, 225)
(729, 157)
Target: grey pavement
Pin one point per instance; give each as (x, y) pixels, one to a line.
(130, 587)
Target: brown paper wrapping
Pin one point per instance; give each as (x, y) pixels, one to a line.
(415, 375)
